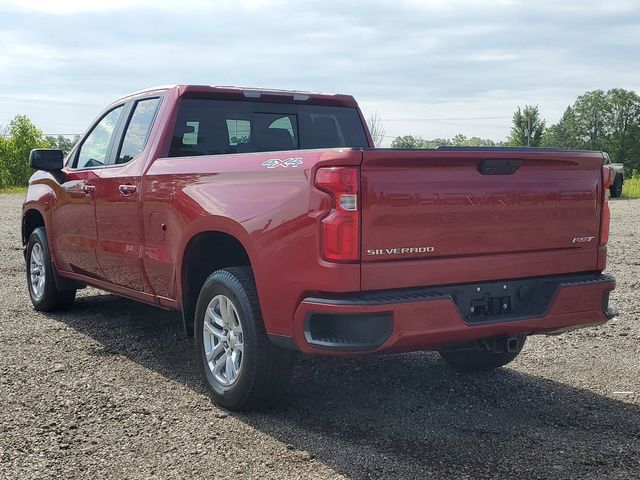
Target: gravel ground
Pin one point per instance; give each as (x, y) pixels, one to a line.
(110, 390)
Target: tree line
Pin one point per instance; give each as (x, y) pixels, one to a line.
(598, 120)
(460, 140)
(15, 144)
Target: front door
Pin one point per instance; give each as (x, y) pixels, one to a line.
(74, 224)
(74, 218)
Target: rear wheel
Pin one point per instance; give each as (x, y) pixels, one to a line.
(243, 369)
(43, 292)
(484, 355)
(615, 190)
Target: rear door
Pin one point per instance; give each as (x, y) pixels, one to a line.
(452, 216)
(118, 212)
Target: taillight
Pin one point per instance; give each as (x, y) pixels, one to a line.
(605, 219)
(607, 174)
(339, 230)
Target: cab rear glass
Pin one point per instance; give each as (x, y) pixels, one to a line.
(215, 127)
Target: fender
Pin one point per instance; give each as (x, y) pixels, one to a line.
(41, 197)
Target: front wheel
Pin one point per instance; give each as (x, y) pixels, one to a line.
(43, 292)
(243, 369)
(486, 354)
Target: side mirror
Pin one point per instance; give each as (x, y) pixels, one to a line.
(49, 159)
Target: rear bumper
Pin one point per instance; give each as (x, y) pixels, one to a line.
(435, 317)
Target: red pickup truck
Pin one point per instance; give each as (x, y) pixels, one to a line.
(270, 222)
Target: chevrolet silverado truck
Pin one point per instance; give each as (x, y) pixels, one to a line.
(269, 220)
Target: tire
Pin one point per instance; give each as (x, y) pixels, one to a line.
(488, 355)
(615, 190)
(41, 281)
(242, 368)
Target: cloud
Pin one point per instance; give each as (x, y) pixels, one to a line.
(68, 7)
(405, 59)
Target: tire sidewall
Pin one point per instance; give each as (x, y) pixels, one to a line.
(221, 283)
(616, 189)
(39, 236)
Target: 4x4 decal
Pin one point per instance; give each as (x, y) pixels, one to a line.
(286, 163)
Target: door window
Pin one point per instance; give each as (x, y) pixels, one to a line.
(137, 133)
(93, 152)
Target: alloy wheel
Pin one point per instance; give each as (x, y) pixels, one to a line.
(37, 271)
(223, 340)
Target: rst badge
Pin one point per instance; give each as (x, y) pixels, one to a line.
(582, 239)
(284, 163)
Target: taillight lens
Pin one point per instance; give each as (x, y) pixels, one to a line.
(605, 219)
(340, 229)
(607, 176)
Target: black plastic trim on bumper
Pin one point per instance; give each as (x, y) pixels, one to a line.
(524, 298)
(282, 341)
(348, 331)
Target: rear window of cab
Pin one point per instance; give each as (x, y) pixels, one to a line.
(214, 127)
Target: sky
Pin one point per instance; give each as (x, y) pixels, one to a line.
(430, 68)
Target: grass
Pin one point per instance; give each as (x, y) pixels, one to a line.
(631, 187)
(13, 190)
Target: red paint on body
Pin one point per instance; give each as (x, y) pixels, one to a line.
(476, 227)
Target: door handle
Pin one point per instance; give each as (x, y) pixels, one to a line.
(88, 189)
(126, 190)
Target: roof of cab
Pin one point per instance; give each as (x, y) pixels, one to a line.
(250, 93)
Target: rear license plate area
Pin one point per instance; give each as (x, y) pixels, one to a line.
(488, 305)
(501, 301)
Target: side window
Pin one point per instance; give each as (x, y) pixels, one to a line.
(93, 151)
(135, 137)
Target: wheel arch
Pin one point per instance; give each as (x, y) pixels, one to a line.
(198, 260)
(32, 218)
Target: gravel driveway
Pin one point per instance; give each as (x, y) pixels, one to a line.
(110, 390)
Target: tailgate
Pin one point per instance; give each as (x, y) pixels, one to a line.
(453, 216)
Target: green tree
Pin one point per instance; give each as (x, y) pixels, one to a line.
(563, 134)
(460, 140)
(593, 119)
(601, 121)
(527, 127)
(5, 179)
(623, 142)
(407, 141)
(62, 143)
(14, 151)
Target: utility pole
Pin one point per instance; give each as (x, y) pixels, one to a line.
(528, 131)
